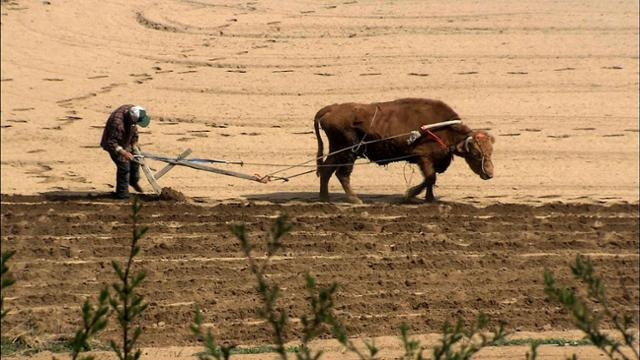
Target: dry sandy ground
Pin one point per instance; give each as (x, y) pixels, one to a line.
(556, 82)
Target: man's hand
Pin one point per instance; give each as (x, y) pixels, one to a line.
(126, 155)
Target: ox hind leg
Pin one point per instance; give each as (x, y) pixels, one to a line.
(342, 166)
(344, 175)
(325, 172)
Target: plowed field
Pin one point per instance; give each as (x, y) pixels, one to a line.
(422, 264)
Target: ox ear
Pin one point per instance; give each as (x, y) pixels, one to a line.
(483, 135)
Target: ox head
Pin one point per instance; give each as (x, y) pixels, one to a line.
(476, 150)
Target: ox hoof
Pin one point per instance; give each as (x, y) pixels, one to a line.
(411, 200)
(431, 199)
(354, 200)
(324, 199)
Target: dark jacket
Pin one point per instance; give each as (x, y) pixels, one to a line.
(119, 130)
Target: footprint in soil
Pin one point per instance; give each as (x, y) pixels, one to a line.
(612, 135)
(510, 134)
(418, 74)
(564, 69)
(467, 73)
(531, 130)
(517, 72)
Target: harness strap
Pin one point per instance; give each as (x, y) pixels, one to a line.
(437, 139)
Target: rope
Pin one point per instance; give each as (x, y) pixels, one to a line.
(354, 164)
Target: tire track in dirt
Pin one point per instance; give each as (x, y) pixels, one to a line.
(419, 264)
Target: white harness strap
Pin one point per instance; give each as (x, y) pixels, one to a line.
(466, 143)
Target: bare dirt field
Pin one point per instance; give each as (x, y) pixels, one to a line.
(396, 263)
(555, 82)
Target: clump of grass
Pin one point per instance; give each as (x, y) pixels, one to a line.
(588, 319)
(127, 304)
(6, 280)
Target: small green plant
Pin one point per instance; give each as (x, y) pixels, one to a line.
(320, 300)
(533, 355)
(457, 343)
(587, 319)
(211, 348)
(268, 292)
(93, 321)
(339, 333)
(6, 279)
(460, 343)
(412, 348)
(128, 304)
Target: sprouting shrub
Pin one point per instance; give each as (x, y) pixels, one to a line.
(460, 343)
(587, 319)
(93, 321)
(127, 304)
(6, 279)
(211, 347)
(457, 342)
(320, 320)
(269, 292)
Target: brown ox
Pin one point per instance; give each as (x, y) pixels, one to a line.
(350, 124)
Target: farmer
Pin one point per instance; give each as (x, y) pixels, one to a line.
(118, 139)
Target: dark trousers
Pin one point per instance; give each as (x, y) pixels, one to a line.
(128, 172)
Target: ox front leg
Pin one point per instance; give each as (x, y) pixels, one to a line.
(415, 190)
(431, 180)
(426, 166)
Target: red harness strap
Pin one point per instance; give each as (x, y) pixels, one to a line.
(437, 139)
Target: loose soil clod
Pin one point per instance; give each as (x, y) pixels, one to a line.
(168, 194)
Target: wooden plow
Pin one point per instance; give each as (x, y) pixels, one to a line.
(182, 160)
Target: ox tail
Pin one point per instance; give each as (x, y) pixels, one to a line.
(320, 153)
